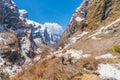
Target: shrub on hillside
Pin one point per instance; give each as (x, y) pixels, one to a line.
(116, 48)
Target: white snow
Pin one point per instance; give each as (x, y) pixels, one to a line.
(77, 9)
(57, 52)
(74, 39)
(59, 55)
(12, 70)
(1, 61)
(78, 19)
(59, 48)
(97, 32)
(116, 21)
(3, 39)
(37, 40)
(38, 51)
(73, 53)
(12, 2)
(86, 55)
(23, 13)
(108, 71)
(81, 35)
(37, 58)
(94, 38)
(54, 28)
(103, 30)
(36, 24)
(108, 55)
(25, 47)
(11, 7)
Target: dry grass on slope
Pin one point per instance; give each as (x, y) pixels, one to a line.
(53, 69)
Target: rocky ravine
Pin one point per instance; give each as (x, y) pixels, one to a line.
(22, 39)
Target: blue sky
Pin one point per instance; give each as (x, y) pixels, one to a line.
(58, 11)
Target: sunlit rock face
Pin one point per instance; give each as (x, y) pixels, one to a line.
(79, 15)
(15, 38)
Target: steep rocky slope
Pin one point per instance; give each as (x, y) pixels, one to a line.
(91, 15)
(95, 34)
(22, 39)
(95, 26)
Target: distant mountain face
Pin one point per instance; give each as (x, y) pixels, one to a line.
(48, 33)
(20, 38)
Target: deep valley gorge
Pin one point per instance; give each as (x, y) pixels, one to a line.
(89, 48)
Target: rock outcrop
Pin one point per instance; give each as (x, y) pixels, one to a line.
(9, 47)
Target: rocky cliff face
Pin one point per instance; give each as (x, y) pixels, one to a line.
(79, 15)
(91, 15)
(9, 20)
(20, 38)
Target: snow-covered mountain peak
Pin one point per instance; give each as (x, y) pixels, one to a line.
(53, 28)
(23, 13)
(48, 33)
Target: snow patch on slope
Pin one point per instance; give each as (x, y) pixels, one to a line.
(12, 70)
(74, 39)
(104, 29)
(109, 55)
(1, 61)
(78, 19)
(108, 71)
(23, 13)
(74, 53)
(70, 53)
(95, 38)
(25, 47)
